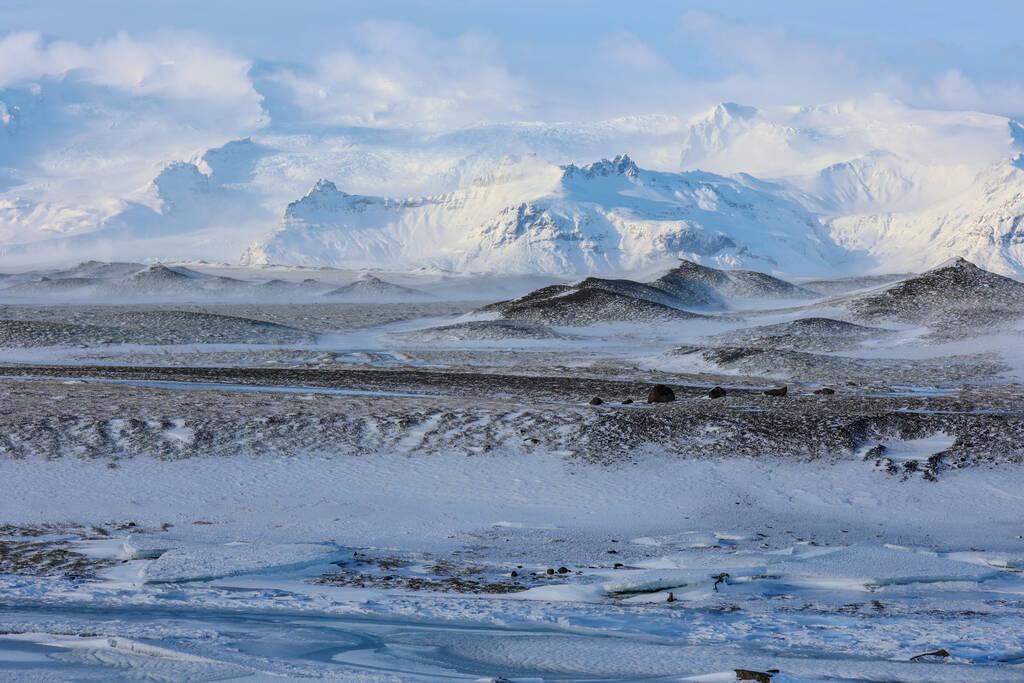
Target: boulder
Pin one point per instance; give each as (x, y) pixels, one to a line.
(596, 401)
(717, 392)
(941, 653)
(781, 391)
(825, 391)
(660, 393)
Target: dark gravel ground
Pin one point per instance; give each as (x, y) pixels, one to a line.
(420, 412)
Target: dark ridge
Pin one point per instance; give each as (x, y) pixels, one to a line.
(371, 286)
(48, 285)
(588, 306)
(696, 285)
(481, 330)
(686, 286)
(535, 295)
(955, 288)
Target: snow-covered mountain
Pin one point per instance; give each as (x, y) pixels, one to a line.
(866, 186)
(983, 223)
(606, 217)
(896, 188)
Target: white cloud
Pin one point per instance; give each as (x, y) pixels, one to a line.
(953, 90)
(87, 124)
(170, 65)
(629, 50)
(766, 65)
(398, 74)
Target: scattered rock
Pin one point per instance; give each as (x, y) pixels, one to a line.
(613, 552)
(627, 402)
(717, 392)
(825, 391)
(719, 578)
(596, 401)
(563, 570)
(532, 441)
(618, 565)
(941, 653)
(759, 676)
(781, 391)
(550, 570)
(660, 393)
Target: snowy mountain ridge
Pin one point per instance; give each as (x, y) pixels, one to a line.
(607, 217)
(866, 186)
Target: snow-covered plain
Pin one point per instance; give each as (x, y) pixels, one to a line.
(205, 486)
(816, 586)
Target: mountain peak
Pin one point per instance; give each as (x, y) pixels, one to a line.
(323, 186)
(725, 111)
(621, 164)
(159, 272)
(324, 195)
(958, 262)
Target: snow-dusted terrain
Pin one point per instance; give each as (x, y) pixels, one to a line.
(511, 342)
(418, 475)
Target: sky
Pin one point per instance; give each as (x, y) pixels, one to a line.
(444, 64)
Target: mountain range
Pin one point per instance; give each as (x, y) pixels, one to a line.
(851, 188)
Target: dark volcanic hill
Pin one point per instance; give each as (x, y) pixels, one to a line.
(694, 285)
(578, 306)
(955, 292)
(372, 288)
(805, 334)
(687, 286)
